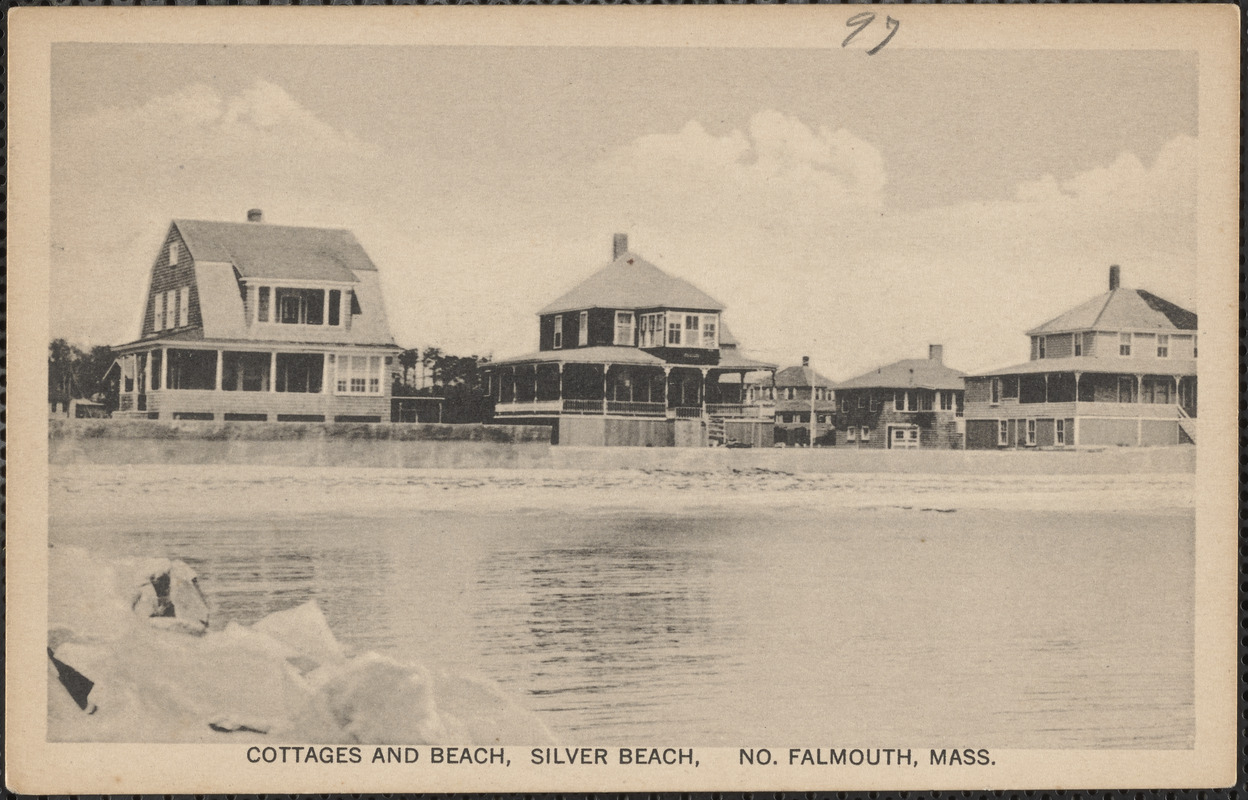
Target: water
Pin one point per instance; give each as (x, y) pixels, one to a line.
(778, 626)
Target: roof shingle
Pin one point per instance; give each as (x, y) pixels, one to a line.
(909, 373)
(631, 282)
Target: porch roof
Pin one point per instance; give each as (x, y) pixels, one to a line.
(584, 355)
(1112, 365)
(195, 340)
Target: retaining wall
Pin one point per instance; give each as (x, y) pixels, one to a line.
(528, 447)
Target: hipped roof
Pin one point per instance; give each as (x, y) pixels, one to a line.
(1121, 310)
(631, 282)
(800, 376)
(1113, 365)
(909, 373)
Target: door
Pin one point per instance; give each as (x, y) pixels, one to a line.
(903, 438)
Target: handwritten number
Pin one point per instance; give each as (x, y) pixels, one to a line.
(893, 26)
(858, 22)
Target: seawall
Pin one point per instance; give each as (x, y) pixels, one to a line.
(527, 447)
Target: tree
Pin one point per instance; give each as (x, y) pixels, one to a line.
(77, 375)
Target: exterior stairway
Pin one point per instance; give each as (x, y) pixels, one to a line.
(715, 430)
(1187, 427)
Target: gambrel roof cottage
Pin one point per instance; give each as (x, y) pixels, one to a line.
(1119, 369)
(250, 321)
(625, 354)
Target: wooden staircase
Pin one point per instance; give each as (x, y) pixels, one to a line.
(715, 431)
(1187, 427)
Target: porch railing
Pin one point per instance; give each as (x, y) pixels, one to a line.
(634, 408)
(733, 410)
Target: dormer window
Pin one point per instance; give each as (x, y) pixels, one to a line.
(287, 305)
(624, 328)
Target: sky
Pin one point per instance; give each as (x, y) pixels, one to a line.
(848, 207)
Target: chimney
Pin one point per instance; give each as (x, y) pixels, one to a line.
(255, 215)
(805, 361)
(936, 352)
(619, 246)
(1114, 273)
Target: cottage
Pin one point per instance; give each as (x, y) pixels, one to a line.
(632, 355)
(909, 404)
(1119, 369)
(800, 397)
(251, 321)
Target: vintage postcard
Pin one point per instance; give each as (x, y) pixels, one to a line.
(622, 399)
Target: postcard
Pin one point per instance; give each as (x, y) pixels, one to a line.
(622, 398)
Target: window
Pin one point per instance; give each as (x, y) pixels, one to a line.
(299, 372)
(1003, 432)
(1163, 345)
(158, 312)
(925, 401)
(1078, 344)
(1124, 344)
(582, 334)
(358, 374)
(673, 331)
(899, 401)
(691, 330)
(184, 305)
(946, 401)
(335, 307)
(1040, 347)
(996, 391)
(1059, 435)
(558, 331)
(299, 306)
(851, 434)
(173, 254)
(171, 309)
(708, 333)
(1031, 431)
(624, 328)
(1194, 345)
(865, 434)
(874, 402)
(790, 393)
(862, 401)
(262, 304)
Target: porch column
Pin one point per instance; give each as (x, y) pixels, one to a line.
(1046, 387)
(273, 371)
(220, 366)
(667, 371)
(560, 381)
(535, 369)
(1077, 374)
(164, 368)
(1175, 399)
(702, 395)
(1139, 388)
(605, 367)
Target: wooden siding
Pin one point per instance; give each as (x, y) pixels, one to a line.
(166, 277)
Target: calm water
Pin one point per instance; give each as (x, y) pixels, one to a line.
(873, 627)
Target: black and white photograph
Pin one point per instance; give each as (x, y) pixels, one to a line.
(558, 399)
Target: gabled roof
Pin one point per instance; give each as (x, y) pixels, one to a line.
(1121, 309)
(799, 376)
(1111, 365)
(261, 250)
(631, 282)
(909, 373)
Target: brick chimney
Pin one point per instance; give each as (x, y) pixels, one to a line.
(255, 215)
(805, 361)
(1114, 277)
(619, 246)
(936, 352)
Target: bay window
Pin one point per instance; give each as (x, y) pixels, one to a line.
(357, 374)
